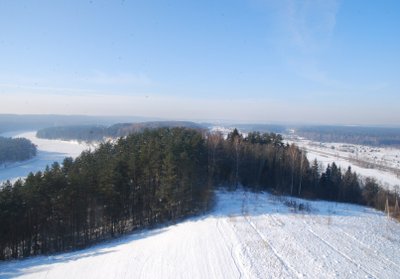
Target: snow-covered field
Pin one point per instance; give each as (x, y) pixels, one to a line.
(248, 235)
(382, 156)
(384, 163)
(387, 179)
(48, 151)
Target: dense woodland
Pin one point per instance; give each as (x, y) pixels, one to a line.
(15, 150)
(82, 133)
(29, 122)
(90, 133)
(154, 177)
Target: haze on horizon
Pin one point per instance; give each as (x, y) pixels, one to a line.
(328, 61)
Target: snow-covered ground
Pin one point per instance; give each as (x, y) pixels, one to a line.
(387, 179)
(381, 163)
(48, 151)
(388, 157)
(248, 235)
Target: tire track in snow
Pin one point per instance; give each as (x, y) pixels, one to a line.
(342, 254)
(233, 222)
(143, 266)
(230, 248)
(377, 241)
(284, 263)
(380, 265)
(301, 250)
(279, 257)
(372, 252)
(361, 254)
(326, 262)
(257, 257)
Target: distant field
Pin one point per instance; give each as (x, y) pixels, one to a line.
(381, 163)
(373, 136)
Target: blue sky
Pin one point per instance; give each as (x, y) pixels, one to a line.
(332, 62)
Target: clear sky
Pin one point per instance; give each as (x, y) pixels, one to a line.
(333, 62)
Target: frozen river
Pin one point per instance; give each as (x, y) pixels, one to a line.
(48, 151)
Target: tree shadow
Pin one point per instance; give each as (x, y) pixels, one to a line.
(15, 268)
(228, 204)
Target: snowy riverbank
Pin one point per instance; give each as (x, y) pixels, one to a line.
(48, 151)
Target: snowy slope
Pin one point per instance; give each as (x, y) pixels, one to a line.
(48, 151)
(247, 236)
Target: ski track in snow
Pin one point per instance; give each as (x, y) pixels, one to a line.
(248, 235)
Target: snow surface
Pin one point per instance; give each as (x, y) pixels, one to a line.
(248, 235)
(48, 151)
(386, 179)
(344, 156)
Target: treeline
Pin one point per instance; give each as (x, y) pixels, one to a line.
(153, 177)
(262, 162)
(14, 150)
(84, 133)
(90, 133)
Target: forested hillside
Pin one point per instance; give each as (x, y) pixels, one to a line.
(79, 133)
(89, 133)
(29, 122)
(157, 176)
(142, 180)
(14, 150)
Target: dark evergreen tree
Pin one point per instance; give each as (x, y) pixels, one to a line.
(14, 150)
